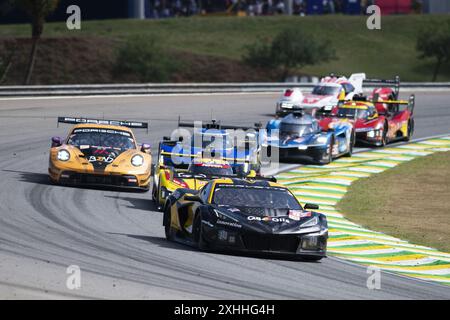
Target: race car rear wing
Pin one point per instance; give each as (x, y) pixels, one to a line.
(410, 103)
(188, 175)
(383, 82)
(121, 123)
(214, 124)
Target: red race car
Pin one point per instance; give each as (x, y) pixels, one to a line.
(378, 119)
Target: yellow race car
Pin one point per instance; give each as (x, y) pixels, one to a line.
(101, 153)
(169, 178)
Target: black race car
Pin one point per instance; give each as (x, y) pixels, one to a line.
(245, 215)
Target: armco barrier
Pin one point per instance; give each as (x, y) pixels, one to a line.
(178, 88)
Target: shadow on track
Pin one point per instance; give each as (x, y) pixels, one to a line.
(137, 203)
(162, 242)
(43, 179)
(159, 241)
(32, 177)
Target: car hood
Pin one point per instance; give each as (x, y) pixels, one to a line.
(318, 101)
(308, 139)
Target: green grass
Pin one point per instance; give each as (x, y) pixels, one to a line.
(410, 201)
(379, 53)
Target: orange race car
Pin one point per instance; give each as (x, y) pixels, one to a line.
(101, 153)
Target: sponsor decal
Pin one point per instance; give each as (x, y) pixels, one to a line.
(213, 165)
(298, 214)
(95, 130)
(268, 219)
(229, 224)
(107, 159)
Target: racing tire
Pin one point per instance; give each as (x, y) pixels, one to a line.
(352, 144)
(384, 137)
(197, 233)
(155, 194)
(167, 221)
(330, 152)
(311, 258)
(410, 130)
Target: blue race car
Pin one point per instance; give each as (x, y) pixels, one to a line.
(299, 137)
(238, 145)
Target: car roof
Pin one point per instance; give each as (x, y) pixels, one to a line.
(101, 126)
(329, 84)
(305, 119)
(245, 182)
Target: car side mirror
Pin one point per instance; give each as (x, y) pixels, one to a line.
(194, 198)
(311, 206)
(56, 142)
(146, 148)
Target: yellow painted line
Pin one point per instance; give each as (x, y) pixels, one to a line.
(320, 187)
(301, 193)
(367, 248)
(401, 258)
(349, 173)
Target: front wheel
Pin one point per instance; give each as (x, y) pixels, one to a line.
(197, 233)
(167, 218)
(330, 153)
(351, 144)
(384, 136)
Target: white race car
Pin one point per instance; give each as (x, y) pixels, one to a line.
(327, 92)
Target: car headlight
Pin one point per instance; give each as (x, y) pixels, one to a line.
(63, 155)
(137, 160)
(322, 139)
(223, 216)
(310, 223)
(371, 134)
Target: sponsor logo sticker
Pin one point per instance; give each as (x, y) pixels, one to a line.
(268, 219)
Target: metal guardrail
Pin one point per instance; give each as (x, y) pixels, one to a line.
(177, 88)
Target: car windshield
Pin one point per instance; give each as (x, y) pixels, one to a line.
(98, 137)
(210, 169)
(296, 130)
(255, 197)
(325, 90)
(350, 113)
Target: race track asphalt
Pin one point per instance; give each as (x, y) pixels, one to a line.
(116, 238)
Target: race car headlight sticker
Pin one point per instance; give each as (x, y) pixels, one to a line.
(321, 140)
(63, 155)
(371, 134)
(137, 160)
(310, 223)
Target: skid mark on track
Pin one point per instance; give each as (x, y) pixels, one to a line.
(326, 185)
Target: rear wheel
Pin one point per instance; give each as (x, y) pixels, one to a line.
(410, 129)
